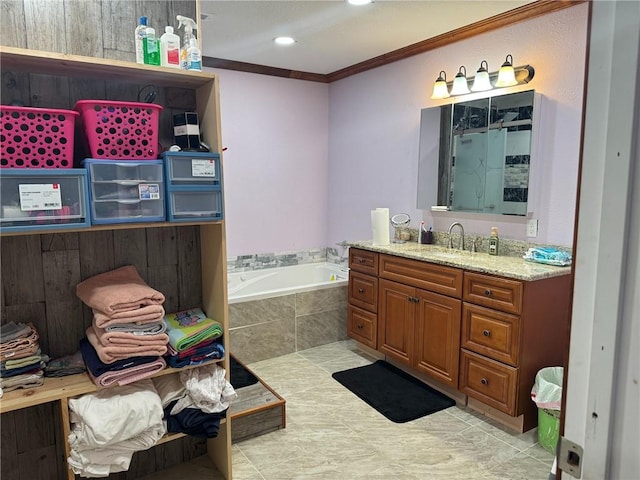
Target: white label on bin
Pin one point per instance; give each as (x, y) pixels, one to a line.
(45, 196)
(149, 191)
(203, 168)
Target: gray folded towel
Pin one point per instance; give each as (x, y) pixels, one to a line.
(11, 331)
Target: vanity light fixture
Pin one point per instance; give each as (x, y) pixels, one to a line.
(507, 74)
(482, 82)
(460, 84)
(440, 89)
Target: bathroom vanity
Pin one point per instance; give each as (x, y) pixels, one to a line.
(475, 325)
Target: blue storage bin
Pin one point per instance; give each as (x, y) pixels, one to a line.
(192, 168)
(126, 191)
(41, 199)
(188, 204)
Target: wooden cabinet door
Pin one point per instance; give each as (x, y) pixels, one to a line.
(396, 314)
(437, 342)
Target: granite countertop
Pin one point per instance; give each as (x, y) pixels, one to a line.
(511, 267)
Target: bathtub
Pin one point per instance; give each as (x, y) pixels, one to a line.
(275, 282)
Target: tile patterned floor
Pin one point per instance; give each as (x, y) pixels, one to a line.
(332, 434)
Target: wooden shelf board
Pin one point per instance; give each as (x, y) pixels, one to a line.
(51, 63)
(113, 226)
(57, 388)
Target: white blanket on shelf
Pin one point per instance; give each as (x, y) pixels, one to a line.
(108, 426)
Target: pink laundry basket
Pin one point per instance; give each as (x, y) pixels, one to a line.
(120, 130)
(36, 137)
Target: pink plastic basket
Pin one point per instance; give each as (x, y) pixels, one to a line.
(120, 130)
(36, 137)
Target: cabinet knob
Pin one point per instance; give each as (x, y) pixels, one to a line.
(361, 260)
(361, 290)
(484, 381)
(360, 325)
(486, 333)
(488, 292)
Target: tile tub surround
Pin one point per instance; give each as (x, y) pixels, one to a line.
(273, 327)
(260, 261)
(511, 267)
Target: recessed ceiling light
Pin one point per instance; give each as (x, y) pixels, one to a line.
(359, 2)
(284, 40)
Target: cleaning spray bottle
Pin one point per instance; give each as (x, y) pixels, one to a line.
(189, 26)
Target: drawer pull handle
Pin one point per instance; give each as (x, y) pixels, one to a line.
(484, 381)
(486, 333)
(361, 290)
(361, 260)
(488, 292)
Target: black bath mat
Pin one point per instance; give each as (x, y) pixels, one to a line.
(392, 392)
(239, 376)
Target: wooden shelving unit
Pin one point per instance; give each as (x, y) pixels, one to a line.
(212, 261)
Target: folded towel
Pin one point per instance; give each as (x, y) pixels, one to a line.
(22, 370)
(112, 353)
(211, 352)
(153, 328)
(66, 365)
(129, 375)
(140, 316)
(20, 347)
(189, 351)
(97, 367)
(119, 290)
(548, 256)
(123, 338)
(190, 327)
(12, 365)
(27, 380)
(11, 331)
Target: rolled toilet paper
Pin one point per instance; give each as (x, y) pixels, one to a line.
(380, 226)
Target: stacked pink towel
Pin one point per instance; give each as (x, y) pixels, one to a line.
(119, 298)
(120, 291)
(113, 352)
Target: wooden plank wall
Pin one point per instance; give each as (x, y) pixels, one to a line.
(39, 272)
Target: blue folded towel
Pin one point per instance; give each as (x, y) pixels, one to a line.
(548, 256)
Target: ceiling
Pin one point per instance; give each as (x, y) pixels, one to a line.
(330, 35)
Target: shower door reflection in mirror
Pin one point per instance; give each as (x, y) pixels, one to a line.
(484, 154)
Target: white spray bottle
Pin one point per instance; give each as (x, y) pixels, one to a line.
(189, 26)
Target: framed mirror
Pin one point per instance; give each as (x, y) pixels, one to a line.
(479, 159)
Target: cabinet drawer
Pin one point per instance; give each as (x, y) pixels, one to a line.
(493, 292)
(363, 261)
(362, 326)
(434, 278)
(491, 333)
(363, 291)
(491, 382)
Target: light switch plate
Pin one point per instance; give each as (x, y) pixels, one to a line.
(532, 227)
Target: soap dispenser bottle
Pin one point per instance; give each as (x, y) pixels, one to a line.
(493, 241)
(169, 49)
(140, 33)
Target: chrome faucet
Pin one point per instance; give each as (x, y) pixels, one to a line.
(461, 245)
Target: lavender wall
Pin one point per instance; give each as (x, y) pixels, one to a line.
(275, 165)
(375, 120)
(306, 162)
